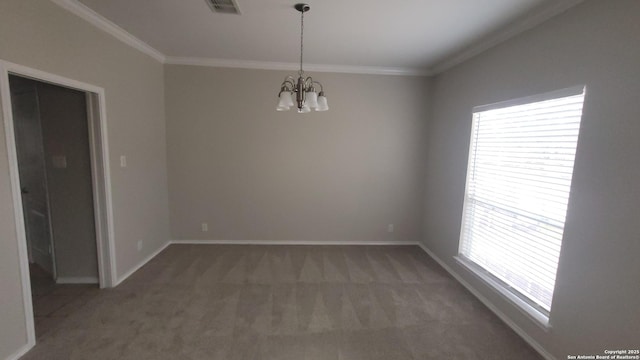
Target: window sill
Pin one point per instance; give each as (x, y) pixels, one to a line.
(529, 311)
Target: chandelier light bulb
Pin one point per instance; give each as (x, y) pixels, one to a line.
(285, 101)
(312, 99)
(322, 103)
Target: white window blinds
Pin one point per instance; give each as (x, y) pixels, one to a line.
(518, 181)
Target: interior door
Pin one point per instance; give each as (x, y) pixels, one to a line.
(31, 166)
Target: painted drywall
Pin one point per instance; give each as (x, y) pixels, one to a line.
(252, 173)
(595, 307)
(41, 35)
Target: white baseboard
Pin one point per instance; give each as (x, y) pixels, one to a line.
(23, 350)
(77, 280)
(541, 350)
(289, 242)
(140, 264)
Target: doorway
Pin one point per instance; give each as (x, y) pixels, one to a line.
(54, 164)
(56, 137)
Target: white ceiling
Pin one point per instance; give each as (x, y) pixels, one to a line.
(395, 34)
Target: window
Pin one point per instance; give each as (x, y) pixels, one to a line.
(518, 180)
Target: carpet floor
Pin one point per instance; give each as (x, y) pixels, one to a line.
(52, 302)
(286, 303)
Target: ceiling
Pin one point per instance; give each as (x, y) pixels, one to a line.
(411, 35)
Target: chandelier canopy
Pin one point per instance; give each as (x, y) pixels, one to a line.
(304, 89)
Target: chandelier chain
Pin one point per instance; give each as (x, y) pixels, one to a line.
(301, 41)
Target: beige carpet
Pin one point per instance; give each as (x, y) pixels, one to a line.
(284, 302)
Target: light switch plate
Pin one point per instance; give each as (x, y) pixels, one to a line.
(59, 161)
(123, 161)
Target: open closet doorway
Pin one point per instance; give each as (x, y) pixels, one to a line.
(52, 145)
(56, 137)
(54, 164)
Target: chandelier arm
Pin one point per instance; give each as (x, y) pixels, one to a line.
(321, 88)
(290, 83)
(307, 83)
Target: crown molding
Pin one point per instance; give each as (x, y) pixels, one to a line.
(97, 20)
(102, 23)
(272, 65)
(515, 28)
(528, 22)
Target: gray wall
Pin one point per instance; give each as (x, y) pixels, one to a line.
(42, 35)
(598, 44)
(253, 173)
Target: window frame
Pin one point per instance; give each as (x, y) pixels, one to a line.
(528, 307)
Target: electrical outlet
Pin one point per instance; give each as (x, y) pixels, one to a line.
(390, 228)
(205, 227)
(123, 161)
(139, 245)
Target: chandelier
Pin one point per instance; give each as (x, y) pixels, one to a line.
(306, 97)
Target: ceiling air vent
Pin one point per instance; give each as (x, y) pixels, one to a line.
(224, 6)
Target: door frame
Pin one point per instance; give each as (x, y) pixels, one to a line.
(100, 171)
